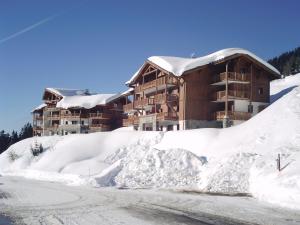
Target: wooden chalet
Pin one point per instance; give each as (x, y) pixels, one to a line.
(77, 111)
(218, 90)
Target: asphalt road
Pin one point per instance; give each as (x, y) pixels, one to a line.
(38, 202)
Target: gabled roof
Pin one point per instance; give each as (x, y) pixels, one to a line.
(178, 66)
(43, 105)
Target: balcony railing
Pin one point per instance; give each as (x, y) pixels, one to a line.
(233, 115)
(167, 116)
(233, 76)
(232, 94)
(157, 82)
(100, 115)
(103, 127)
(128, 107)
(71, 115)
(133, 120)
(53, 117)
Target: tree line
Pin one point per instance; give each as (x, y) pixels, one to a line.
(287, 63)
(8, 139)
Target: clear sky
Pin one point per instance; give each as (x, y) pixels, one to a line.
(99, 44)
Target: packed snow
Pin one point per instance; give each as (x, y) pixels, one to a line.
(178, 66)
(239, 159)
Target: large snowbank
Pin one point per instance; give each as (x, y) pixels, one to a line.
(178, 66)
(239, 159)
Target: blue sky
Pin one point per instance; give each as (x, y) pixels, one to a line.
(99, 44)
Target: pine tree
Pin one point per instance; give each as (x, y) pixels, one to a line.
(26, 131)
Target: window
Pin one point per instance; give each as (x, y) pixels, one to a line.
(250, 108)
(67, 122)
(260, 91)
(74, 122)
(73, 132)
(82, 122)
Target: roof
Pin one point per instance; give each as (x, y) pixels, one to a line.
(86, 101)
(68, 92)
(39, 107)
(178, 66)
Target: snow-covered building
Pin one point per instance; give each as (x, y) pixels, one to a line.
(218, 90)
(67, 111)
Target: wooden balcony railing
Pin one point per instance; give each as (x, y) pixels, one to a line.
(160, 81)
(167, 116)
(52, 127)
(232, 94)
(140, 103)
(71, 115)
(232, 76)
(37, 128)
(164, 98)
(100, 126)
(130, 121)
(53, 117)
(128, 107)
(100, 115)
(233, 115)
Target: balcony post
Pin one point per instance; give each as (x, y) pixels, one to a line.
(226, 118)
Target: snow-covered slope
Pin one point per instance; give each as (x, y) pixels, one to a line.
(236, 159)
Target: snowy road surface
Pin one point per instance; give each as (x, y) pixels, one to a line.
(39, 202)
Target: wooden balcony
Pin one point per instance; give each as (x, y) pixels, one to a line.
(232, 94)
(100, 127)
(165, 80)
(52, 127)
(140, 103)
(165, 98)
(130, 121)
(71, 115)
(233, 115)
(233, 77)
(53, 117)
(37, 128)
(166, 116)
(128, 107)
(100, 116)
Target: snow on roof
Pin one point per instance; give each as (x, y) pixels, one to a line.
(178, 66)
(128, 92)
(68, 92)
(39, 107)
(86, 101)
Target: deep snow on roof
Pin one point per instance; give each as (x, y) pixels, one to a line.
(178, 65)
(76, 98)
(86, 101)
(68, 92)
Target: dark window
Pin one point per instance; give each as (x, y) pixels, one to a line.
(82, 122)
(250, 108)
(74, 122)
(260, 91)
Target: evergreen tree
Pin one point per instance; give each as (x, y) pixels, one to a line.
(14, 138)
(26, 131)
(287, 63)
(4, 141)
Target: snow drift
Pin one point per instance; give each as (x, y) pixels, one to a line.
(239, 159)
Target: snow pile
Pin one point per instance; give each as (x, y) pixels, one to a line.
(240, 159)
(178, 66)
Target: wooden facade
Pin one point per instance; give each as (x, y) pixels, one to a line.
(53, 120)
(219, 94)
